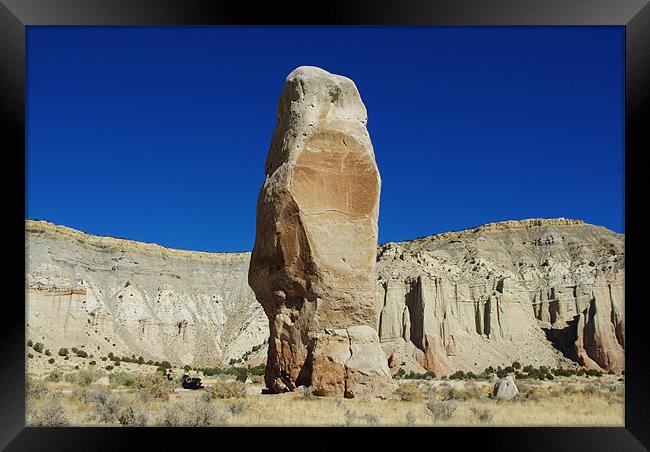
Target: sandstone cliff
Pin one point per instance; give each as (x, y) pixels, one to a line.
(126, 297)
(516, 290)
(537, 291)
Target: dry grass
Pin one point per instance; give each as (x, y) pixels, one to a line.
(135, 401)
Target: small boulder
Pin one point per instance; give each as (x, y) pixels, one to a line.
(505, 389)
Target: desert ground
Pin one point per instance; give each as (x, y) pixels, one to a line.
(75, 392)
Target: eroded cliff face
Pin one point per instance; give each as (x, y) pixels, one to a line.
(112, 295)
(535, 291)
(538, 291)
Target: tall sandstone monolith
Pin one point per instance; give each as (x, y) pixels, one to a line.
(313, 264)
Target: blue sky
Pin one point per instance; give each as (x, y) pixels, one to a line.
(159, 134)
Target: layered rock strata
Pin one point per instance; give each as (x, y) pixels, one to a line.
(313, 263)
(558, 287)
(504, 292)
(103, 295)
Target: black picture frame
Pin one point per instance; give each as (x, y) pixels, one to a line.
(16, 15)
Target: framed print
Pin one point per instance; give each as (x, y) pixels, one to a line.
(254, 217)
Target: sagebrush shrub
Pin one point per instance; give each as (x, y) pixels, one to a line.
(408, 393)
(410, 418)
(51, 415)
(106, 406)
(153, 387)
(238, 407)
(174, 415)
(136, 417)
(35, 389)
(122, 379)
(441, 411)
(226, 390)
(205, 414)
(482, 414)
(55, 376)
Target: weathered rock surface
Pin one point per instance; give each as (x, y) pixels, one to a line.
(558, 286)
(313, 263)
(105, 295)
(518, 290)
(349, 363)
(505, 389)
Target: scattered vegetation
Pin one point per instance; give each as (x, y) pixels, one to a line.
(35, 389)
(245, 356)
(401, 373)
(232, 371)
(51, 415)
(482, 414)
(408, 393)
(84, 377)
(225, 390)
(54, 376)
(440, 411)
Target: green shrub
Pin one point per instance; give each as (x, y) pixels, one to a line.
(153, 386)
(109, 367)
(63, 352)
(458, 375)
(38, 347)
(482, 414)
(51, 360)
(187, 368)
(92, 363)
(441, 411)
(226, 390)
(116, 363)
(48, 353)
(29, 355)
(30, 343)
(464, 394)
(205, 414)
(122, 379)
(55, 376)
(35, 389)
(516, 365)
(257, 370)
(107, 407)
(408, 393)
(85, 377)
(136, 417)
